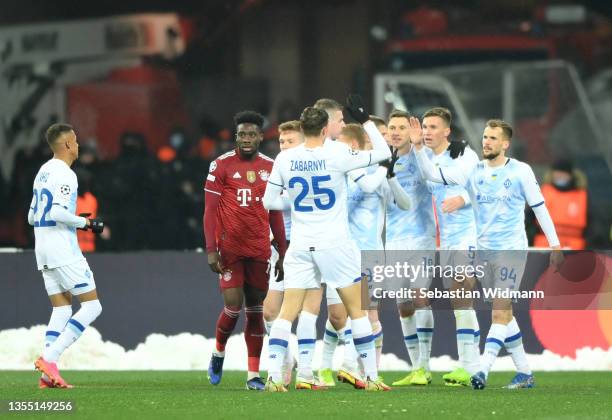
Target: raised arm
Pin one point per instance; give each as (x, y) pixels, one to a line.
(380, 151)
(446, 176)
(368, 183)
(400, 196)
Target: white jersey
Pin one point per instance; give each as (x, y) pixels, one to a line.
(287, 221)
(366, 211)
(56, 243)
(498, 198)
(418, 222)
(457, 228)
(315, 180)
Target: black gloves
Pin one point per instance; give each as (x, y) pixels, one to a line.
(390, 163)
(96, 225)
(355, 107)
(456, 148)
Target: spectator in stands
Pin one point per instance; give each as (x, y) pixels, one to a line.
(565, 192)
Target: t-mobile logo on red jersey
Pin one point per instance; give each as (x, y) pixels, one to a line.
(244, 196)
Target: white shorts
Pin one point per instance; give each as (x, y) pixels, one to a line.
(76, 278)
(332, 296)
(279, 286)
(462, 259)
(502, 269)
(421, 257)
(411, 244)
(339, 266)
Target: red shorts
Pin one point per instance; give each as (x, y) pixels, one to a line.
(238, 271)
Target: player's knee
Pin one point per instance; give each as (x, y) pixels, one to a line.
(93, 308)
(405, 310)
(270, 314)
(502, 316)
(337, 317)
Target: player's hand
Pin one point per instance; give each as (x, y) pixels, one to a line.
(96, 225)
(556, 258)
(214, 262)
(452, 204)
(355, 107)
(278, 270)
(457, 148)
(415, 132)
(390, 163)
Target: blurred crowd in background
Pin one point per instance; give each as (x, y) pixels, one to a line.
(149, 127)
(148, 200)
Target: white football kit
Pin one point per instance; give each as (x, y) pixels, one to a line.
(58, 255)
(315, 179)
(457, 228)
(498, 196)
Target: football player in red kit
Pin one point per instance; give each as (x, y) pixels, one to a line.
(237, 230)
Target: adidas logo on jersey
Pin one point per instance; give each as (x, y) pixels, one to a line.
(236, 176)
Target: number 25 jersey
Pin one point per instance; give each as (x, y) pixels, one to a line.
(316, 182)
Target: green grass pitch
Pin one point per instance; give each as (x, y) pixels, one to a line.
(181, 395)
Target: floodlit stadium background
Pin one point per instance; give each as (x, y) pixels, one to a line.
(151, 88)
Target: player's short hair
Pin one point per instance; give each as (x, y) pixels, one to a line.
(328, 105)
(293, 125)
(55, 131)
(506, 128)
(377, 120)
(398, 113)
(355, 131)
(313, 120)
(440, 112)
(249, 117)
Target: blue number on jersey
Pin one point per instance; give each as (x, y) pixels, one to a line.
(43, 220)
(317, 189)
(505, 274)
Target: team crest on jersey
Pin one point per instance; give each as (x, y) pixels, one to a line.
(264, 175)
(480, 181)
(213, 166)
(251, 176)
(65, 189)
(411, 168)
(227, 275)
(507, 183)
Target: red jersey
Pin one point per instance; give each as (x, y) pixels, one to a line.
(243, 224)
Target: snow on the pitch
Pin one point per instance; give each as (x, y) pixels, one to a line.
(20, 347)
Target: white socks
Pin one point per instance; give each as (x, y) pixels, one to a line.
(514, 346)
(425, 326)
(467, 347)
(330, 341)
(307, 336)
(350, 353)
(364, 344)
(411, 339)
(59, 318)
(495, 341)
(75, 326)
(377, 333)
(277, 347)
